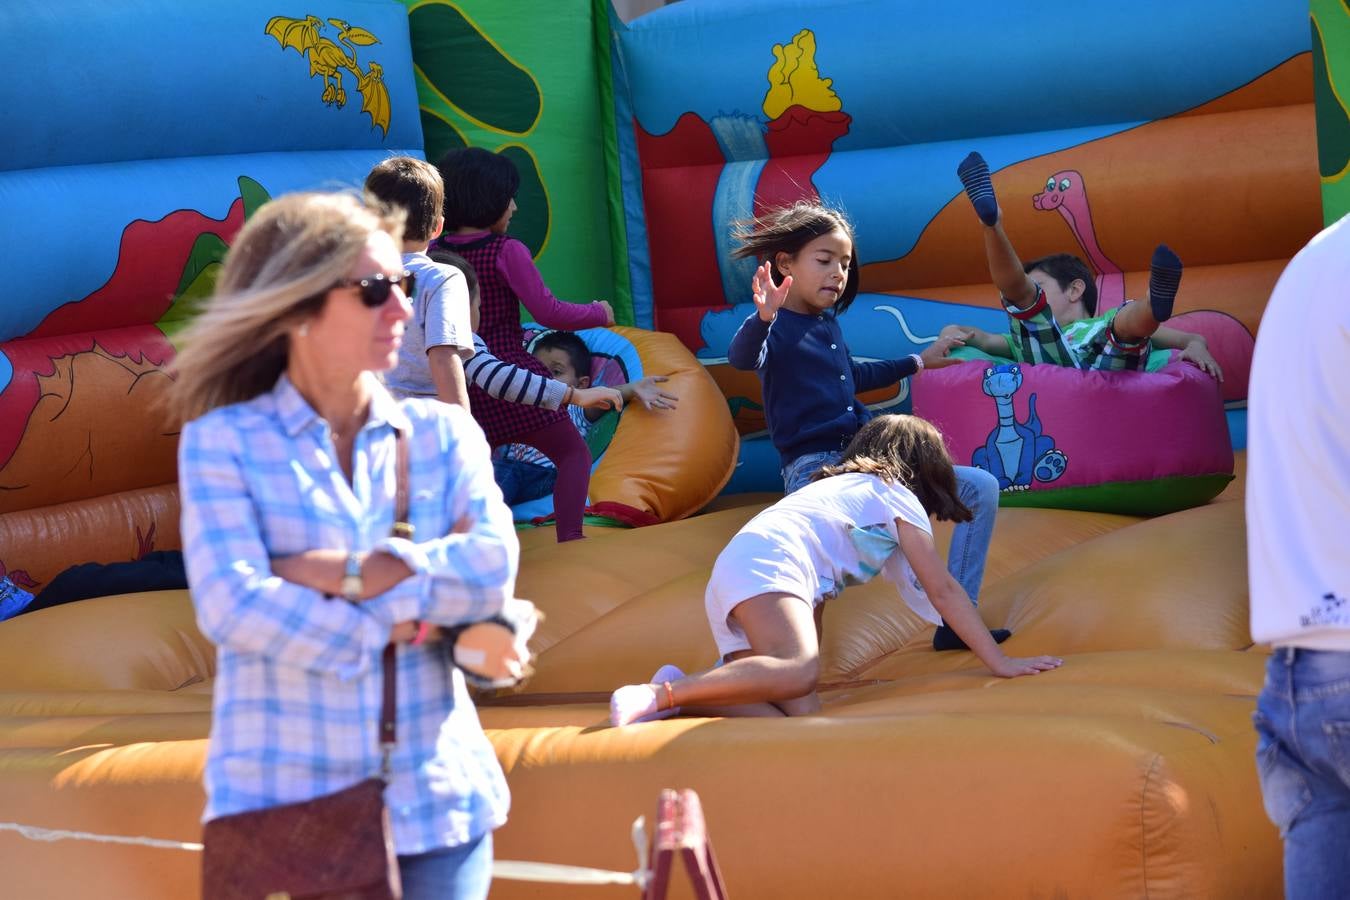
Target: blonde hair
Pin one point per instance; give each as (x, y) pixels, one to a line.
(910, 451)
(276, 275)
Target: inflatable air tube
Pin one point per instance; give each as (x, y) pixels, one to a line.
(1123, 442)
(660, 465)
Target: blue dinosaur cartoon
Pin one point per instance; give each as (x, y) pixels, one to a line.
(1016, 452)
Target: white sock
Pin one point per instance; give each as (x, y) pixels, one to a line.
(639, 702)
(633, 703)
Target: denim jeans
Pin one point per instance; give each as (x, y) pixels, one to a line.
(523, 481)
(1302, 723)
(453, 873)
(976, 488)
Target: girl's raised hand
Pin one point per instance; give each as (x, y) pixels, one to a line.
(1012, 666)
(768, 297)
(609, 312)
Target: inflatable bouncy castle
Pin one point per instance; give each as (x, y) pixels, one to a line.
(1216, 161)
(151, 131)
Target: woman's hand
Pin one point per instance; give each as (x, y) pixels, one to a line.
(609, 312)
(1012, 666)
(491, 652)
(646, 392)
(494, 655)
(768, 297)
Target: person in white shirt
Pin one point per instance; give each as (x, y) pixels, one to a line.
(865, 515)
(1298, 510)
(438, 342)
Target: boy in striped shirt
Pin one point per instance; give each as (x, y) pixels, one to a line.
(1052, 304)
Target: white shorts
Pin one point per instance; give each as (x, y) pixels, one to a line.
(751, 565)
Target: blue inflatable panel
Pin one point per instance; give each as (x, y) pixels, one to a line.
(93, 81)
(910, 73)
(79, 214)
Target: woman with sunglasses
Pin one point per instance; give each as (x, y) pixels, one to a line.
(288, 478)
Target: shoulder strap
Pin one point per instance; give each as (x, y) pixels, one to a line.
(402, 528)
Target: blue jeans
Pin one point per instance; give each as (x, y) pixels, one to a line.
(1302, 723)
(453, 873)
(523, 481)
(976, 488)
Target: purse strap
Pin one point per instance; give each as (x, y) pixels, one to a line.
(402, 528)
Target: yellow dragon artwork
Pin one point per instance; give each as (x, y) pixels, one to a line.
(328, 59)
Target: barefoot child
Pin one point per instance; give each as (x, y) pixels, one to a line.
(866, 515)
(1052, 301)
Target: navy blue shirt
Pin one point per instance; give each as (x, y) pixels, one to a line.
(809, 380)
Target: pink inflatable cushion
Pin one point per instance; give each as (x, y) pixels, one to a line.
(1123, 442)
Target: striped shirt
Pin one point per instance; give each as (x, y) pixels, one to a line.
(506, 381)
(297, 691)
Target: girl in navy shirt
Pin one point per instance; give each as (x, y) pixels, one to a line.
(809, 276)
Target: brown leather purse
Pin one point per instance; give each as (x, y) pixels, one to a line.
(335, 847)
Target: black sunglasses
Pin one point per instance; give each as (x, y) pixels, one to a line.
(375, 288)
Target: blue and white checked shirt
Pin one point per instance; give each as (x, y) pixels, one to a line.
(297, 692)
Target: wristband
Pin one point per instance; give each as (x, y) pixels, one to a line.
(918, 361)
(423, 629)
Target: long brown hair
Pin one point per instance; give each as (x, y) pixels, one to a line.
(909, 451)
(790, 228)
(276, 275)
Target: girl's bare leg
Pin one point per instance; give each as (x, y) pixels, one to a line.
(779, 672)
(782, 664)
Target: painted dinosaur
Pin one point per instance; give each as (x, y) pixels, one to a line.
(1066, 193)
(1016, 452)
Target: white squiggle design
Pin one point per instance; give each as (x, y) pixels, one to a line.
(904, 326)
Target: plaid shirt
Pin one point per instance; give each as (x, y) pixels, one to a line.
(297, 692)
(1036, 337)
